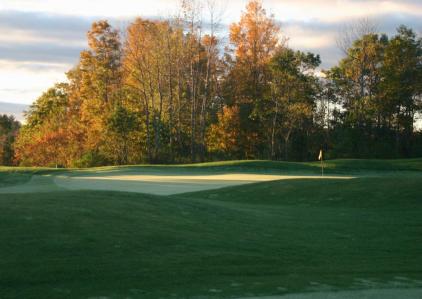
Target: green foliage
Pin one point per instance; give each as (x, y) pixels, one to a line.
(43, 139)
(50, 106)
(293, 100)
(90, 159)
(8, 130)
(121, 124)
(122, 121)
(378, 86)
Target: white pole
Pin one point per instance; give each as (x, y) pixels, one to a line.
(322, 163)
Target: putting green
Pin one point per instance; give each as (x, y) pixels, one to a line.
(158, 183)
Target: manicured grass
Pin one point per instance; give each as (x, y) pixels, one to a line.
(364, 192)
(10, 176)
(373, 165)
(13, 178)
(266, 238)
(339, 166)
(258, 166)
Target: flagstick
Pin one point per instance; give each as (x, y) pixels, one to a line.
(321, 158)
(322, 168)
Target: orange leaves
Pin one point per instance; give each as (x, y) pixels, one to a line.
(224, 135)
(255, 36)
(44, 147)
(209, 40)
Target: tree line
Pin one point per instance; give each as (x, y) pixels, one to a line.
(9, 128)
(165, 91)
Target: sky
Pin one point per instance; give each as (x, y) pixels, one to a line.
(41, 39)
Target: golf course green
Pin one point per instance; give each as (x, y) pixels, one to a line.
(238, 229)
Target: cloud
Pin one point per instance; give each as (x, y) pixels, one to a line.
(16, 110)
(50, 25)
(40, 37)
(320, 37)
(58, 38)
(102, 8)
(22, 82)
(39, 52)
(40, 40)
(44, 38)
(341, 10)
(36, 49)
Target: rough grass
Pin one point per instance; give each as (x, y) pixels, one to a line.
(261, 239)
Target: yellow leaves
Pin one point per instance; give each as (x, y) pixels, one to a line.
(299, 111)
(208, 40)
(224, 135)
(255, 36)
(146, 49)
(102, 36)
(235, 33)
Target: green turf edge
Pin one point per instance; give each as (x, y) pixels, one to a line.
(339, 165)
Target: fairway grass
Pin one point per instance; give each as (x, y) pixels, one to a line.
(289, 239)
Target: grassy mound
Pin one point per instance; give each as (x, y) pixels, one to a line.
(258, 166)
(10, 176)
(13, 178)
(375, 165)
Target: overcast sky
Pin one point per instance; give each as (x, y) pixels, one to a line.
(41, 39)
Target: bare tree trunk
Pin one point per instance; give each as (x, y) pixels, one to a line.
(160, 111)
(193, 111)
(154, 117)
(204, 104)
(170, 87)
(179, 108)
(147, 123)
(191, 13)
(286, 144)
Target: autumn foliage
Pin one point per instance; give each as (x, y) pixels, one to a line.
(164, 91)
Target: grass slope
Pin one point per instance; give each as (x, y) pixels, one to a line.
(267, 238)
(13, 178)
(10, 176)
(258, 166)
